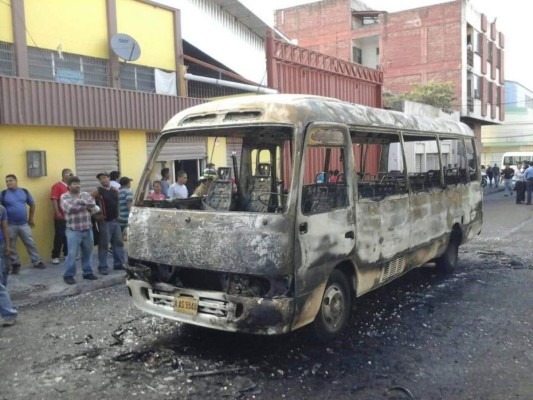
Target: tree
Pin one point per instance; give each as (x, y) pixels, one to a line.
(438, 94)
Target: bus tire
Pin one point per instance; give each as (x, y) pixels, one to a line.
(334, 312)
(447, 262)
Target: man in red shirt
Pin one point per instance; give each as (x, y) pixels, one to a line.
(60, 240)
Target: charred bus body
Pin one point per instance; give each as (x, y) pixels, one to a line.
(283, 241)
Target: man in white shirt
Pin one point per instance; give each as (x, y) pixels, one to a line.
(179, 190)
(520, 183)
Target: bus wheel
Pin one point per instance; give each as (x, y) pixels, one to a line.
(448, 261)
(334, 311)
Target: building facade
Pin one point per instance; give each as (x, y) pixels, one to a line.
(516, 133)
(449, 42)
(68, 101)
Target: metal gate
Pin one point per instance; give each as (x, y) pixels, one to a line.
(179, 148)
(293, 69)
(96, 151)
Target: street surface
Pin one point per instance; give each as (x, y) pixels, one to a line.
(465, 336)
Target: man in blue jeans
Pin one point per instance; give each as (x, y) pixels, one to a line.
(528, 175)
(5, 249)
(107, 199)
(7, 312)
(77, 207)
(15, 199)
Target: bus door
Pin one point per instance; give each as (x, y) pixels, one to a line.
(325, 229)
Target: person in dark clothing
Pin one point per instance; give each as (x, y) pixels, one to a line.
(490, 174)
(507, 174)
(165, 176)
(496, 173)
(107, 199)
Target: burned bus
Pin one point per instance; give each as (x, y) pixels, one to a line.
(321, 202)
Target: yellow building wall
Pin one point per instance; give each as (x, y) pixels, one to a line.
(78, 25)
(217, 153)
(153, 28)
(6, 25)
(132, 155)
(59, 146)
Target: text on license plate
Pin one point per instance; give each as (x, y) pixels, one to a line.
(186, 305)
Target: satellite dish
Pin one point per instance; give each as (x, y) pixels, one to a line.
(125, 47)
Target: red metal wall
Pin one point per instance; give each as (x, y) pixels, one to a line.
(293, 69)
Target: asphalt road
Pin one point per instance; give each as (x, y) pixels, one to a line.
(465, 336)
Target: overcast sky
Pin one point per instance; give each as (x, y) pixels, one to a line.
(513, 19)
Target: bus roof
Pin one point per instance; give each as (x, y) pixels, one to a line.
(303, 109)
(518, 153)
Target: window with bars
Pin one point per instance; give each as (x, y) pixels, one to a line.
(137, 77)
(7, 59)
(67, 67)
(357, 55)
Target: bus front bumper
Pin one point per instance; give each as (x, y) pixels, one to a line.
(255, 315)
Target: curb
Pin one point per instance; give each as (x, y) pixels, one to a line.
(33, 295)
(61, 290)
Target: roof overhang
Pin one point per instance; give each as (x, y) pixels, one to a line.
(244, 16)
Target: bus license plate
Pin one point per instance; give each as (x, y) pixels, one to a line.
(186, 305)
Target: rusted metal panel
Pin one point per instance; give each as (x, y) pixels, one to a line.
(293, 69)
(44, 103)
(263, 245)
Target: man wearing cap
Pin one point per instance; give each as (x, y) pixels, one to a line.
(107, 199)
(125, 200)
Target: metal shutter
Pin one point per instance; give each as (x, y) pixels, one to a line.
(418, 162)
(96, 151)
(233, 145)
(179, 148)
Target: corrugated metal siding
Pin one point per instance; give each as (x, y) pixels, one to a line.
(228, 21)
(292, 69)
(239, 39)
(233, 145)
(179, 148)
(96, 151)
(42, 103)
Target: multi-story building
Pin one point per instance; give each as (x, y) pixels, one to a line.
(67, 100)
(448, 42)
(516, 133)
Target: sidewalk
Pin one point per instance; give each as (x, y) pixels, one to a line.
(32, 286)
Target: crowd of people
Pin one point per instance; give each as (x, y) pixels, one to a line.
(519, 180)
(81, 221)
